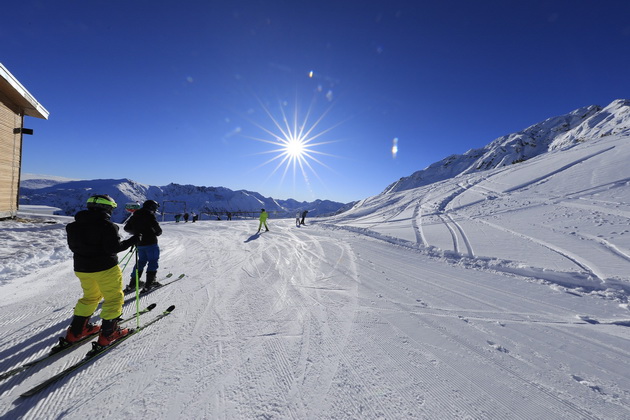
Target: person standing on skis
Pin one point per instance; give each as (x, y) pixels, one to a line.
(95, 244)
(263, 220)
(144, 223)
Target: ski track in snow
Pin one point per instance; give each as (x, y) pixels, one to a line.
(310, 323)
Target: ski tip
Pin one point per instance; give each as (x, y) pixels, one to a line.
(151, 306)
(170, 308)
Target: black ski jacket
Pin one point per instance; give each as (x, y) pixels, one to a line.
(145, 223)
(94, 241)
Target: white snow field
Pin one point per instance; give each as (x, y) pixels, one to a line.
(495, 295)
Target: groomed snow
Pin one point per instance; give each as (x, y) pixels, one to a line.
(495, 295)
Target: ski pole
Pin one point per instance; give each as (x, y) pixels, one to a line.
(126, 257)
(137, 292)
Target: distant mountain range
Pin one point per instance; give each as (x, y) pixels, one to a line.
(553, 134)
(209, 202)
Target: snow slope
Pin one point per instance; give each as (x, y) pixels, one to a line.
(493, 295)
(560, 217)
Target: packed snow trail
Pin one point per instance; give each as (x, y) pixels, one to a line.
(561, 217)
(317, 322)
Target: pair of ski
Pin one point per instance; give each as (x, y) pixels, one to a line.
(64, 347)
(96, 352)
(162, 284)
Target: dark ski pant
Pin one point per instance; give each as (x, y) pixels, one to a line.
(147, 254)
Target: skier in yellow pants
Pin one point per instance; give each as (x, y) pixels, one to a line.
(263, 220)
(95, 244)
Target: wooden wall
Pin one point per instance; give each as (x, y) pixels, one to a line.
(10, 157)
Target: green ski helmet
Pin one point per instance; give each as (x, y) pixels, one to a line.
(101, 201)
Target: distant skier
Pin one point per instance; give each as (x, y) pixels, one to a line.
(178, 218)
(95, 244)
(143, 222)
(185, 217)
(304, 213)
(263, 220)
(297, 219)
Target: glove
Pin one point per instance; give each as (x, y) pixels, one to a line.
(133, 241)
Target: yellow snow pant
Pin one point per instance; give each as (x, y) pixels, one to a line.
(106, 285)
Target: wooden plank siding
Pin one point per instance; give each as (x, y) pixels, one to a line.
(15, 103)
(10, 157)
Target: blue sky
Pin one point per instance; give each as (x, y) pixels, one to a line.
(188, 91)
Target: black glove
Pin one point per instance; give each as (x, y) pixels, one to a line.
(133, 241)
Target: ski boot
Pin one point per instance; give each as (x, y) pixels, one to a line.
(131, 287)
(151, 282)
(111, 332)
(80, 327)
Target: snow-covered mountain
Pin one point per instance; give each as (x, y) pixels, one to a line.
(211, 202)
(36, 181)
(554, 133)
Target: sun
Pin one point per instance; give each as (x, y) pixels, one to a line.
(295, 148)
(296, 139)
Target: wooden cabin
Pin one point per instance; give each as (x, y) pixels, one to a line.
(15, 103)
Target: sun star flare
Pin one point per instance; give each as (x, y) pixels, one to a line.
(295, 141)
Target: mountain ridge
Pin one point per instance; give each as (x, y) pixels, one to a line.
(70, 196)
(552, 134)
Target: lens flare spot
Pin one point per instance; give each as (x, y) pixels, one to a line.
(395, 147)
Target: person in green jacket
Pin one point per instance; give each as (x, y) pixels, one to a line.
(263, 220)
